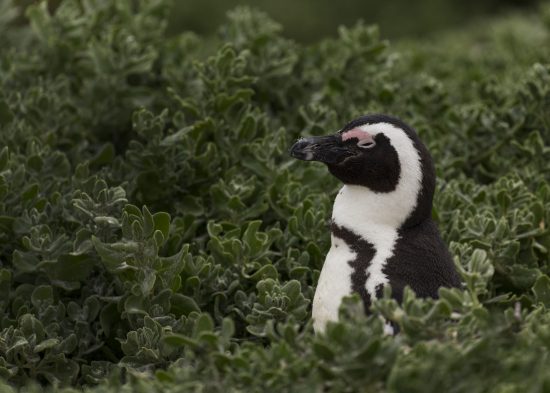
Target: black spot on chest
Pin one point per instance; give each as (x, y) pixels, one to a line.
(365, 252)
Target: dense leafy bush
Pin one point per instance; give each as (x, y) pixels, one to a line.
(154, 232)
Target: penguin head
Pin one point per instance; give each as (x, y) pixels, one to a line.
(380, 153)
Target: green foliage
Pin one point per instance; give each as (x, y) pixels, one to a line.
(155, 235)
(310, 20)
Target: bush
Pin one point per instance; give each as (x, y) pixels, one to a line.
(155, 235)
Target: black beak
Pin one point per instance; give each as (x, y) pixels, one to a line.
(328, 149)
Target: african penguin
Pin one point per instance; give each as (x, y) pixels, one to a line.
(381, 229)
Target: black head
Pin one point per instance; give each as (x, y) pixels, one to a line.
(378, 152)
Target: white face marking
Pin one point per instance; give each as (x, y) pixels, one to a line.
(377, 217)
(334, 283)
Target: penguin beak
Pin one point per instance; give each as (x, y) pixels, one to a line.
(327, 149)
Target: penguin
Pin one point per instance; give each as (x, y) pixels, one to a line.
(382, 232)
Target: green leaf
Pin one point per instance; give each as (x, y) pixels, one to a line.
(541, 289)
(292, 289)
(105, 155)
(46, 344)
(4, 155)
(6, 116)
(266, 271)
(113, 260)
(42, 296)
(71, 267)
(252, 239)
(323, 351)
(135, 305)
(148, 223)
(179, 340)
(183, 305)
(203, 324)
(31, 326)
(30, 192)
(68, 345)
(162, 223)
(133, 210)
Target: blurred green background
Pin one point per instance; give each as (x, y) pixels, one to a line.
(308, 20)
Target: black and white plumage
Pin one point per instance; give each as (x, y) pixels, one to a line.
(382, 230)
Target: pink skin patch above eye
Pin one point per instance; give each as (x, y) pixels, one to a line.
(356, 133)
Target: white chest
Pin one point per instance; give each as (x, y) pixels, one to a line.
(335, 279)
(334, 283)
(365, 220)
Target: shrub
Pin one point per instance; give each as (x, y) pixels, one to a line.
(155, 235)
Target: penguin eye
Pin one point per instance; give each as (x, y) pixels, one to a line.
(366, 144)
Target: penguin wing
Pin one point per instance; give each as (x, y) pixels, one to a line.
(421, 260)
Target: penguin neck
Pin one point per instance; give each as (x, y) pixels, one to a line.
(372, 215)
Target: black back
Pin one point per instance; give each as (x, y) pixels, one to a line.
(422, 261)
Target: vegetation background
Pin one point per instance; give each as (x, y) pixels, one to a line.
(155, 236)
